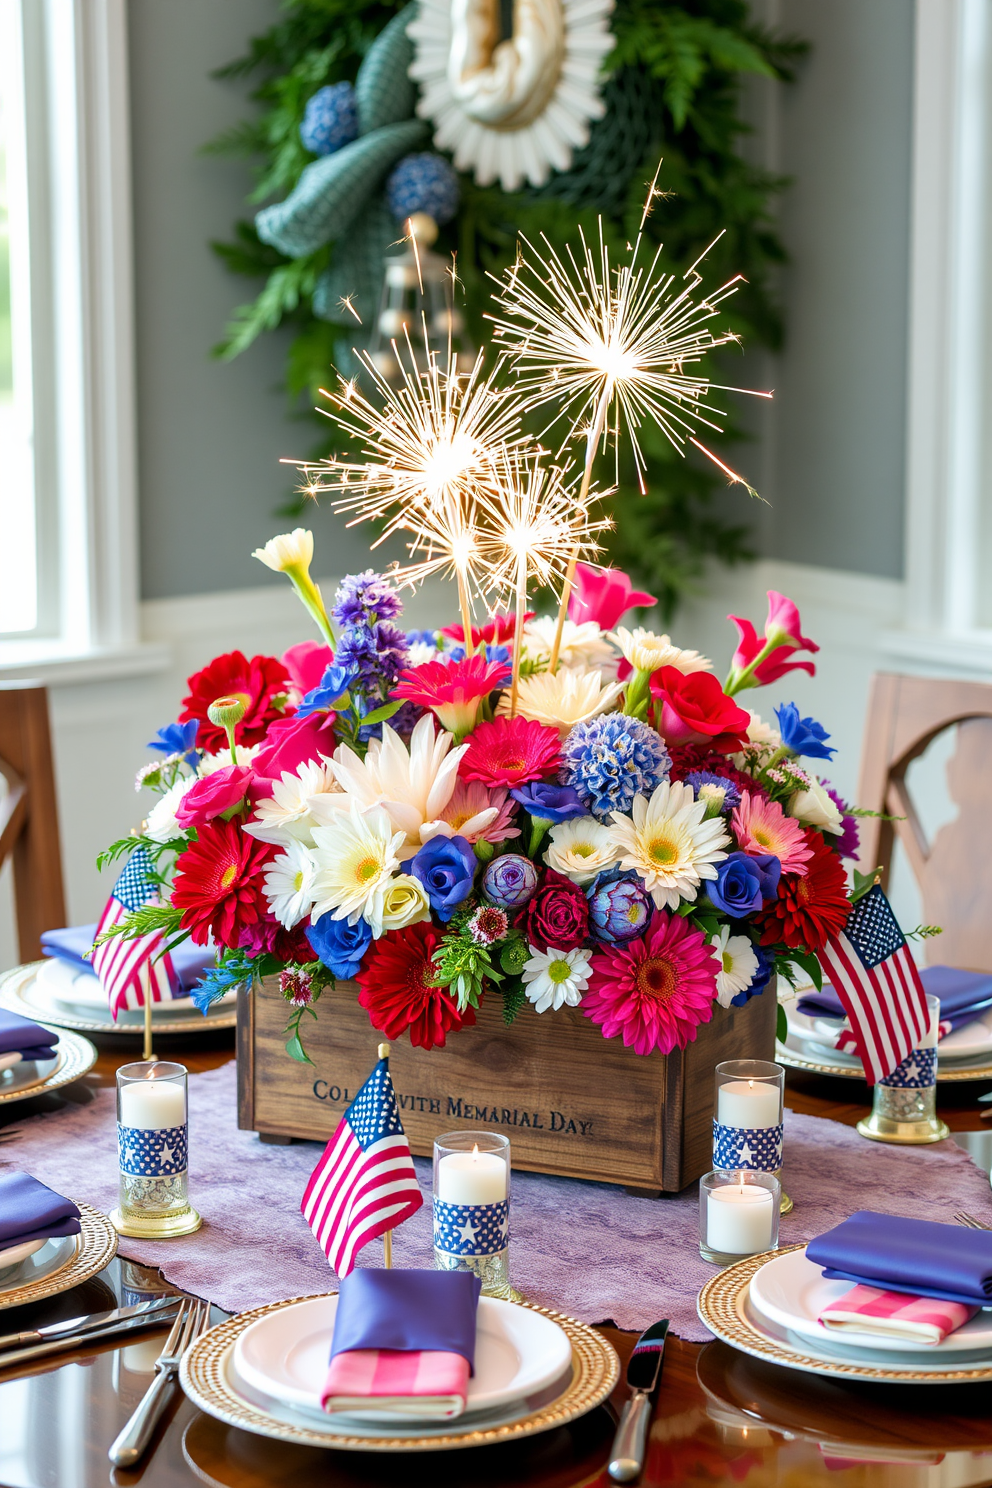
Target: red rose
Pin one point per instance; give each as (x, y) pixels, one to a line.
(291, 742)
(213, 795)
(694, 709)
(267, 935)
(557, 917)
(255, 682)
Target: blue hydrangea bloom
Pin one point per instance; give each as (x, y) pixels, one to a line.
(216, 981)
(178, 738)
(732, 796)
(366, 597)
(330, 119)
(424, 182)
(335, 681)
(611, 759)
(803, 735)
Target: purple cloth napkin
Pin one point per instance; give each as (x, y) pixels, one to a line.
(30, 1211)
(20, 1036)
(964, 996)
(890, 1251)
(190, 961)
(407, 1310)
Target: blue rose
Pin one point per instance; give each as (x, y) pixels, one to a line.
(760, 980)
(339, 945)
(333, 684)
(743, 883)
(446, 868)
(803, 735)
(178, 738)
(552, 803)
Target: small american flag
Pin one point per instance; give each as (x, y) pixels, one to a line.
(365, 1182)
(133, 970)
(874, 975)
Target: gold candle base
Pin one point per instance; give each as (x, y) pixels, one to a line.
(786, 1205)
(903, 1133)
(155, 1226)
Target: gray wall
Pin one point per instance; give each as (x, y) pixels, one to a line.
(211, 434)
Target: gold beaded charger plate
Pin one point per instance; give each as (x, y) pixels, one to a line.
(800, 1051)
(75, 1056)
(20, 993)
(723, 1305)
(210, 1379)
(70, 1261)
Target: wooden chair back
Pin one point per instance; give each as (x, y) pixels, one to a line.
(954, 871)
(29, 824)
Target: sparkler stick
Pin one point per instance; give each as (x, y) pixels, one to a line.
(592, 443)
(518, 631)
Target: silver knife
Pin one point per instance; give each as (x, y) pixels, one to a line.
(82, 1327)
(643, 1376)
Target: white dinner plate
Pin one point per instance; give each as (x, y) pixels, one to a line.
(819, 1035)
(27, 1073)
(284, 1357)
(791, 1292)
(14, 1254)
(49, 1256)
(60, 986)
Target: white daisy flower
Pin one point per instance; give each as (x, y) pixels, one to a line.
(220, 761)
(161, 824)
(581, 848)
(584, 647)
(646, 652)
(288, 884)
(562, 699)
(738, 962)
(669, 843)
(356, 855)
(556, 978)
(286, 815)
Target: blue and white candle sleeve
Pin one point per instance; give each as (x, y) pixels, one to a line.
(471, 1229)
(758, 1149)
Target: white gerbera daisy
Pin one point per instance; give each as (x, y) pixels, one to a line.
(556, 978)
(667, 841)
(738, 964)
(356, 855)
(646, 652)
(161, 824)
(584, 647)
(285, 815)
(581, 848)
(288, 884)
(563, 699)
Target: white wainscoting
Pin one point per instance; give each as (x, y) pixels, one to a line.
(101, 727)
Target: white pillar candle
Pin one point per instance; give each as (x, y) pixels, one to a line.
(471, 1178)
(751, 1104)
(739, 1219)
(153, 1105)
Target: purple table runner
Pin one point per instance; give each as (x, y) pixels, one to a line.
(587, 1249)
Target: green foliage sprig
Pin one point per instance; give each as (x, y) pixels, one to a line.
(672, 89)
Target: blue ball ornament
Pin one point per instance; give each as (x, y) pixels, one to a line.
(423, 183)
(330, 120)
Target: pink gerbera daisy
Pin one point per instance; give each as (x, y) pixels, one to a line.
(452, 690)
(762, 827)
(470, 812)
(656, 990)
(511, 751)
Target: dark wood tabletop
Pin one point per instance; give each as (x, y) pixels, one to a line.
(721, 1418)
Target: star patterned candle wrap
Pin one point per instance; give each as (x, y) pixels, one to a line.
(748, 1125)
(904, 1102)
(153, 1151)
(472, 1207)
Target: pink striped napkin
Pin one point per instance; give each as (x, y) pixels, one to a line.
(882, 1314)
(422, 1382)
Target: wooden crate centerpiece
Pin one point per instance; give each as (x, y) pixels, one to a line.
(571, 1102)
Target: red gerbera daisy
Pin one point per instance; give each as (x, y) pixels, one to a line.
(656, 990)
(810, 909)
(452, 690)
(218, 883)
(255, 682)
(498, 630)
(511, 751)
(399, 991)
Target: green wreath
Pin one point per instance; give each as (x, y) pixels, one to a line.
(670, 88)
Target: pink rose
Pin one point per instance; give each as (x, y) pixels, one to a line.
(213, 796)
(306, 664)
(290, 742)
(603, 595)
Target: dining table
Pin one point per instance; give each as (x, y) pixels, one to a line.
(721, 1417)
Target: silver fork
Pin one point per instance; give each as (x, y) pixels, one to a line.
(134, 1439)
(969, 1221)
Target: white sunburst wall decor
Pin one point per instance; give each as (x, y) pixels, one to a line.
(510, 110)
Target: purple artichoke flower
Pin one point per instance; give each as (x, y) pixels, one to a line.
(620, 907)
(509, 881)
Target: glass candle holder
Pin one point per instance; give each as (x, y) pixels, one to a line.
(152, 1151)
(904, 1104)
(738, 1215)
(472, 1207)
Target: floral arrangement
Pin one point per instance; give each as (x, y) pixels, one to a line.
(626, 840)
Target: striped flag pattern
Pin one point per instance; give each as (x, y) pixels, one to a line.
(365, 1182)
(873, 973)
(133, 970)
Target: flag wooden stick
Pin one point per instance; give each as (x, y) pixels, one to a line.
(592, 444)
(148, 1027)
(387, 1239)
